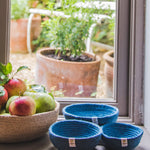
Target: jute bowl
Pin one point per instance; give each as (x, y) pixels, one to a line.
(15, 129)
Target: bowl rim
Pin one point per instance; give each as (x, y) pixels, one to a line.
(122, 124)
(99, 132)
(87, 117)
(34, 115)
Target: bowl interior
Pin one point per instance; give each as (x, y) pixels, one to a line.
(91, 110)
(120, 130)
(75, 129)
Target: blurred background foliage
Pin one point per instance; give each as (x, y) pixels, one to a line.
(103, 33)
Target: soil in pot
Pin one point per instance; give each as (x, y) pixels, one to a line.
(80, 58)
(76, 79)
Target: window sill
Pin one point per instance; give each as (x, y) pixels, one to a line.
(44, 143)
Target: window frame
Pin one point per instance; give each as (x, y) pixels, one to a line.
(128, 85)
(121, 76)
(4, 30)
(137, 59)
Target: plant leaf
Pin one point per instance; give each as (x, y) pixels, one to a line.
(51, 95)
(3, 79)
(6, 69)
(94, 94)
(78, 93)
(2, 92)
(2, 68)
(22, 68)
(37, 88)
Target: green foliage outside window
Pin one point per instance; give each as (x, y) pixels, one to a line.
(19, 9)
(41, 4)
(103, 33)
(43, 39)
(69, 34)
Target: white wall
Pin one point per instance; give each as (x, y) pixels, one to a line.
(147, 68)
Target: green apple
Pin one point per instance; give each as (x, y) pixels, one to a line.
(2, 111)
(44, 101)
(5, 114)
(12, 98)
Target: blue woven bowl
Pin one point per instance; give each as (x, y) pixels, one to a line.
(97, 113)
(75, 134)
(121, 136)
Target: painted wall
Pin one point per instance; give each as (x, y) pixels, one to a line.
(147, 68)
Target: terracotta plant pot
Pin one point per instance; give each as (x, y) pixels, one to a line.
(109, 73)
(18, 34)
(71, 77)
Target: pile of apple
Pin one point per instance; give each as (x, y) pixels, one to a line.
(16, 98)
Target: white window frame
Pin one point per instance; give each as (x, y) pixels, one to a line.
(128, 92)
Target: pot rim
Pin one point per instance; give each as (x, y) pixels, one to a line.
(39, 54)
(26, 19)
(108, 58)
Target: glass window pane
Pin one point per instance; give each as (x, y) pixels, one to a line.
(89, 79)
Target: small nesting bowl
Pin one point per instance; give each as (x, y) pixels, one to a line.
(121, 136)
(75, 134)
(14, 129)
(97, 113)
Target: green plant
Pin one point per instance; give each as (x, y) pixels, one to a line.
(19, 9)
(42, 40)
(6, 72)
(39, 3)
(104, 33)
(69, 34)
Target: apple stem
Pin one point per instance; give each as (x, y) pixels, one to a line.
(12, 75)
(19, 94)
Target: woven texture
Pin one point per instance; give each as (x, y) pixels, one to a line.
(121, 136)
(86, 135)
(87, 111)
(26, 128)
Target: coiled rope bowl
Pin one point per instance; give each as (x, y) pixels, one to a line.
(121, 136)
(26, 128)
(97, 113)
(75, 135)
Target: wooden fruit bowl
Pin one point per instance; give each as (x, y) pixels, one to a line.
(15, 129)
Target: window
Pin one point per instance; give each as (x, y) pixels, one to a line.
(129, 44)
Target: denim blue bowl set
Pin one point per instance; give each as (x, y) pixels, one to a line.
(87, 124)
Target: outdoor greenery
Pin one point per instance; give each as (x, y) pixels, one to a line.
(42, 40)
(104, 33)
(41, 4)
(55, 31)
(69, 34)
(19, 9)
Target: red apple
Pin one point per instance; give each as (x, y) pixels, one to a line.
(22, 106)
(15, 87)
(3, 96)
